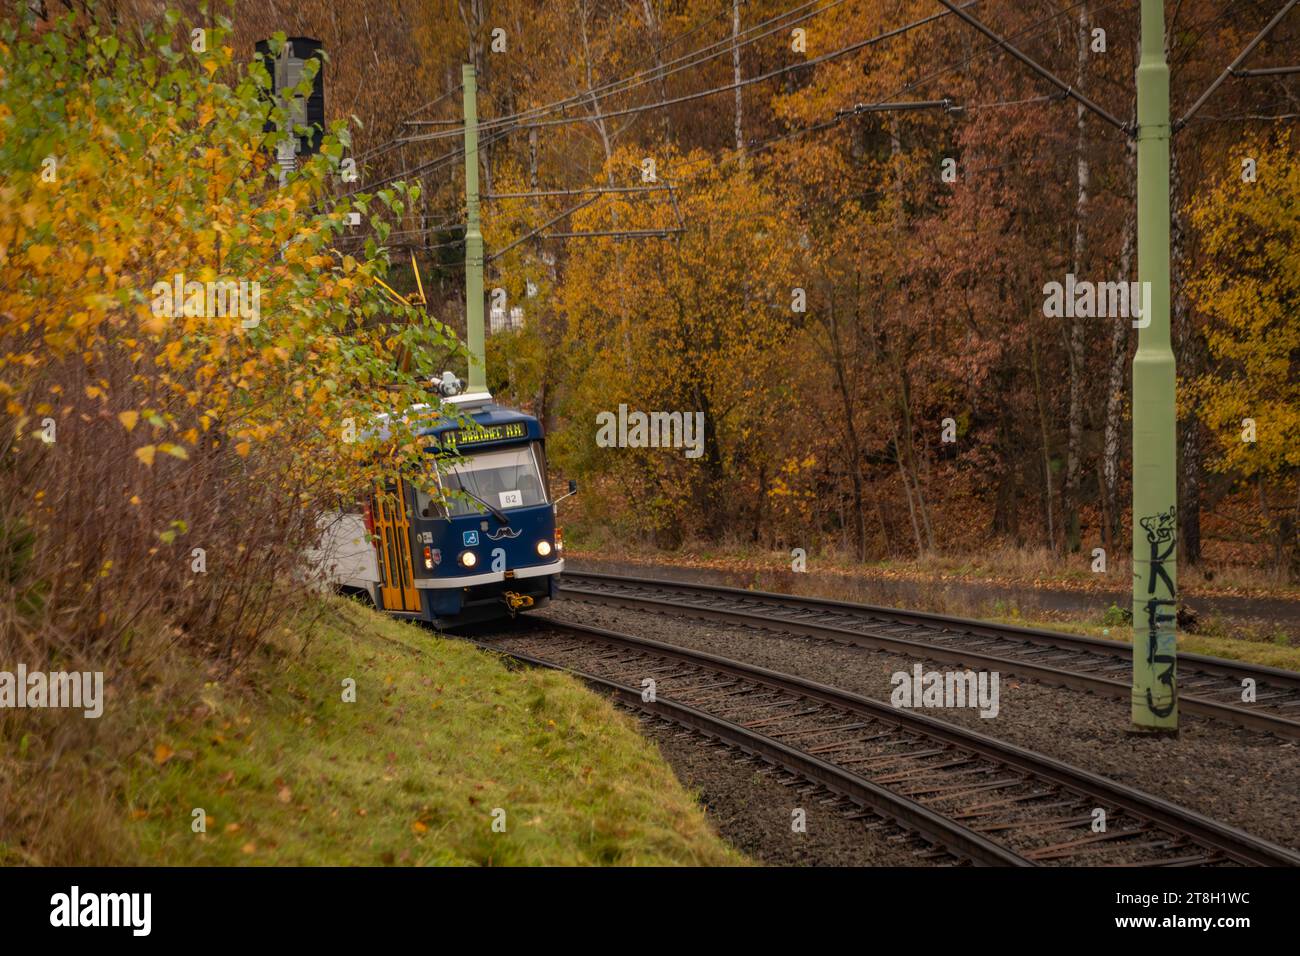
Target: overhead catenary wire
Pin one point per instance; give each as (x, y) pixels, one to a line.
(1031, 29)
(1245, 118)
(1267, 71)
(702, 55)
(396, 141)
(771, 74)
(878, 106)
(618, 234)
(861, 44)
(722, 44)
(524, 118)
(581, 191)
(456, 88)
(717, 48)
(424, 169)
(1000, 104)
(655, 74)
(897, 107)
(1040, 69)
(546, 225)
(1241, 58)
(883, 104)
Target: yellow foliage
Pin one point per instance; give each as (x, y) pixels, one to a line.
(693, 323)
(1249, 287)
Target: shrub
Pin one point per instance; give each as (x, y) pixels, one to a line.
(163, 457)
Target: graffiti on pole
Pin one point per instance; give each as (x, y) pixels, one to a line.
(1161, 532)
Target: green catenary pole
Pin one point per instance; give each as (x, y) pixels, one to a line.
(1155, 487)
(473, 240)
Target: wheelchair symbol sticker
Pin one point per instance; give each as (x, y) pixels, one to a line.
(470, 538)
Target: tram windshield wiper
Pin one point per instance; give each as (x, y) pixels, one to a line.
(496, 512)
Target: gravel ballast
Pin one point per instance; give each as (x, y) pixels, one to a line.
(1248, 779)
(753, 812)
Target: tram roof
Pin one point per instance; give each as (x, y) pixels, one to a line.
(489, 425)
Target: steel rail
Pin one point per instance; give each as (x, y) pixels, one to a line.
(934, 827)
(1234, 844)
(949, 836)
(941, 626)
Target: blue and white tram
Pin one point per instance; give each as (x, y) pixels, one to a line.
(487, 547)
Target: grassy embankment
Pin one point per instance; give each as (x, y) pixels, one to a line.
(440, 736)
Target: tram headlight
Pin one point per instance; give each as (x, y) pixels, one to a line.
(544, 548)
(468, 558)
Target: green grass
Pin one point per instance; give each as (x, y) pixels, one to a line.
(439, 737)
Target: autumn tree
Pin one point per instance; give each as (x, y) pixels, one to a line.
(1250, 291)
(188, 363)
(691, 322)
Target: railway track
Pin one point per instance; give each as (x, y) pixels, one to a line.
(966, 795)
(1208, 686)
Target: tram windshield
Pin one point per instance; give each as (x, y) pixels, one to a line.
(504, 478)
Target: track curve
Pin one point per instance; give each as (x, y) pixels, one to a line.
(978, 798)
(1208, 686)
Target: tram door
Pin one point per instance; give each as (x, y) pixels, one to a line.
(393, 526)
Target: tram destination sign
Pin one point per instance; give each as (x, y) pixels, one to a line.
(459, 437)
